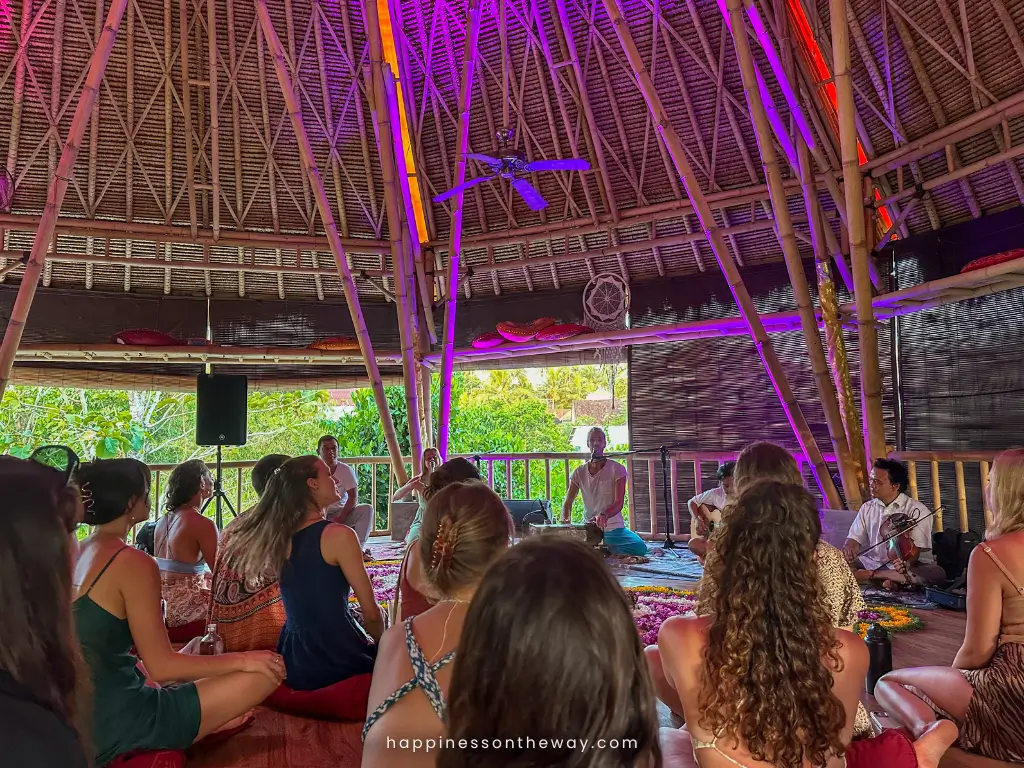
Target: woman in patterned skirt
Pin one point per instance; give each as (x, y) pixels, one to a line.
(984, 689)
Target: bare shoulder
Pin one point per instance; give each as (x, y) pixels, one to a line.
(853, 651)
(683, 629)
(338, 541)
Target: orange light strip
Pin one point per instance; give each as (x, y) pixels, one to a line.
(387, 34)
(820, 70)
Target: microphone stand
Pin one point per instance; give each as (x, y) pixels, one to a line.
(669, 543)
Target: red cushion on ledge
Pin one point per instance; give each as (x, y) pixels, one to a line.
(995, 258)
(187, 632)
(164, 758)
(346, 700)
(145, 337)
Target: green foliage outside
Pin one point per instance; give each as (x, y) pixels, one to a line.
(496, 412)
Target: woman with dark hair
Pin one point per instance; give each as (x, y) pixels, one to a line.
(248, 612)
(540, 659)
(765, 679)
(465, 528)
(184, 541)
(41, 685)
(117, 608)
(319, 565)
(414, 593)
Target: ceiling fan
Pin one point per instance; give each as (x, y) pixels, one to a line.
(512, 165)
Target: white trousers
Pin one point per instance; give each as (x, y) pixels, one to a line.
(360, 520)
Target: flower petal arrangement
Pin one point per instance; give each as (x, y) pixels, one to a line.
(893, 618)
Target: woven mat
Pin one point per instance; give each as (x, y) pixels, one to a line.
(678, 563)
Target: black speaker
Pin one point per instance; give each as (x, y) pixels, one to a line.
(222, 409)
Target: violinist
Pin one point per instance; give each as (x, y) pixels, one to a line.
(907, 559)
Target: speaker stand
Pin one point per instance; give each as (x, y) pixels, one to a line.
(218, 494)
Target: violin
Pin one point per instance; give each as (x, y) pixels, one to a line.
(901, 548)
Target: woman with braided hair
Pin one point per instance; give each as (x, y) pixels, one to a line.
(465, 529)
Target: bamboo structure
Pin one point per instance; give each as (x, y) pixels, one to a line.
(739, 291)
(794, 264)
(405, 302)
(337, 249)
(58, 187)
(455, 246)
(867, 334)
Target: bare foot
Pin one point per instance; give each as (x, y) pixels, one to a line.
(933, 743)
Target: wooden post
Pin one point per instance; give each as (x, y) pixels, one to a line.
(870, 377)
(388, 136)
(725, 261)
(55, 197)
(455, 246)
(327, 216)
(790, 250)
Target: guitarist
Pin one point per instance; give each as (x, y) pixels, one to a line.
(908, 558)
(706, 510)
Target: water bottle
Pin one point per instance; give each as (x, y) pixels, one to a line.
(212, 643)
(880, 654)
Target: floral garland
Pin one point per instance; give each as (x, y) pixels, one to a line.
(892, 618)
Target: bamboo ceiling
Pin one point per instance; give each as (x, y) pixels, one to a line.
(216, 194)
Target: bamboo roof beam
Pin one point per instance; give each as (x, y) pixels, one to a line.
(388, 137)
(761, 340)
(58, 187)
(327, 217)
(455, 246)
(867, 334)
(791, 253)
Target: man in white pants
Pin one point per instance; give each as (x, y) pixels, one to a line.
(358, 517)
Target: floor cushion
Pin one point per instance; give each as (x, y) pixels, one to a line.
(164, 758)
(488, 340)
(145, 337)
(561, 331)
(345, 700)
(522, 332)
(336, 344)
(995, 258)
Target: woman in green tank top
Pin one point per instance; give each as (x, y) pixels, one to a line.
(117, 608)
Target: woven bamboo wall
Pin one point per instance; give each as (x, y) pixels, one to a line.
(714, 393)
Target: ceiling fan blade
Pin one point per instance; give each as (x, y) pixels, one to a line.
(484, 158)
(529, 193)
(455, 190)
(568, 164)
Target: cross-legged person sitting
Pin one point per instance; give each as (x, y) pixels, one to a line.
(706, 510)
(117, 608)
(465, 528)
(549, 651)
(248, 612)
(319, 565)
(358, 517)
(765, 679)
(602, 482)
(983, 691)
(414, 593)
(873, 561)
(184, 541)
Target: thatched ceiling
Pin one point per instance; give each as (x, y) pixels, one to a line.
(143, 188)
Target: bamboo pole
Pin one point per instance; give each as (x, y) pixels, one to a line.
(455, 247)
(388, 133)
(327, 216)
(867, 334)
(58, 187)
(791, 253)
(725, 261)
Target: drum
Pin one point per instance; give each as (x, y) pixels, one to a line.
(588, 533)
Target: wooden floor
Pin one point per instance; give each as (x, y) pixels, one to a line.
(281, 741)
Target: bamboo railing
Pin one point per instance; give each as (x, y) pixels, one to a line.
(934, 465)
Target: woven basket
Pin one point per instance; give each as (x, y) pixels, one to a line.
(563, 331)
(520, 332)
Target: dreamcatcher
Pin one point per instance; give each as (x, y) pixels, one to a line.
(606, 308)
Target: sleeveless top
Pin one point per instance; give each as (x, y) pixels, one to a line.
(423, 676)
(1011, 628)
(321, 642)
(168, 564)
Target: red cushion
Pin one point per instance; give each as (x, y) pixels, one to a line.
(346, 700)
(488, 340)
(521, 332)
(187, 632)
(164, 758)
(996, 258)
(145, 337)
(335, 343)
(563, 331)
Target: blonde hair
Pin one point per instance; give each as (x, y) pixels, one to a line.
(1006, 493)
(465, 528)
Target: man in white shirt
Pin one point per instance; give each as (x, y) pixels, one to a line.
(358, 517)
(706, 510)
(603, 485)
(873, 561)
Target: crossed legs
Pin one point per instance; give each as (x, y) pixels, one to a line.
(946, 687)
